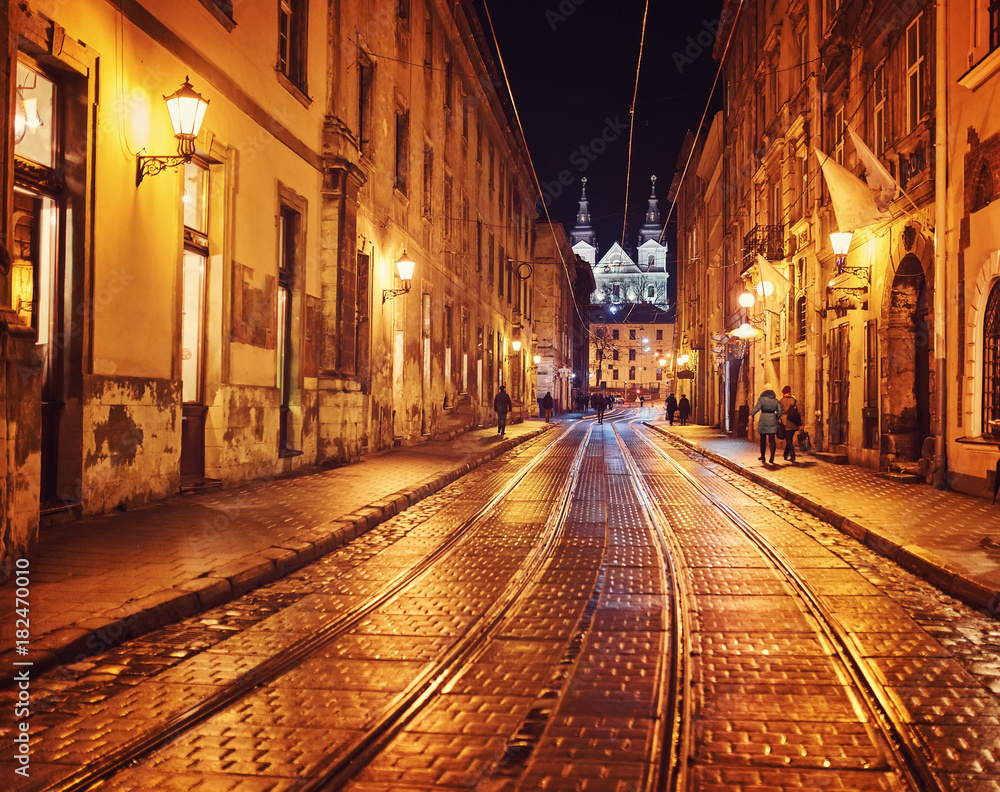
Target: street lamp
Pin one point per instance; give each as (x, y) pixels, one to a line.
(187, 110)
(747, 300)
(537, 359)
(404, 268)
(841, 242)
(516, 344)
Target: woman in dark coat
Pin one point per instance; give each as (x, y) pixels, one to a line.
(547, 405)
(684, 409)
(671, 408)
(767, 425)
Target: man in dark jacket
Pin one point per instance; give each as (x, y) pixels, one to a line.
(600, 404)
(502, 405)
(671, 408)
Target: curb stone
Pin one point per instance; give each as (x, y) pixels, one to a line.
(74, 643)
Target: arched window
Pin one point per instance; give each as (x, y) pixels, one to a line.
(991, 363)
(982, 187)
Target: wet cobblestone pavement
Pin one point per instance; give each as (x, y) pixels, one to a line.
(557, 606)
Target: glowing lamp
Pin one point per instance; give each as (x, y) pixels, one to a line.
(404, 268)
(516, 345)
(746, 300)
(187, 110)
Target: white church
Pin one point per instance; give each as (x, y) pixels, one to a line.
(620, 278)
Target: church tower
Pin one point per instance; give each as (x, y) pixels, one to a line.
(583, 231)
(652, 227)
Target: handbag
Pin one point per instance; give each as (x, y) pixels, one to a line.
(781, 431)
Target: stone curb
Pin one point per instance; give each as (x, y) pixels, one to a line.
(76, 642)
(925, 564)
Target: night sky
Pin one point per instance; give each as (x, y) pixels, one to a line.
(572, 66)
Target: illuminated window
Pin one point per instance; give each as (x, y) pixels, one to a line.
(991, 364)
(915, 46)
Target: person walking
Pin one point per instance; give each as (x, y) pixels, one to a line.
(671, 408)
(791, 420)
(683, 409)
(547, 406)
(642, 403)
(502, 405)
(767, 426)
(600, 404)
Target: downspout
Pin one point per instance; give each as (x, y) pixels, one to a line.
(940, 241)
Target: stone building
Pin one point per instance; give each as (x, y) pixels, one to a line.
(973, 245)
(229, 310)
(563, 285)
(808, 85)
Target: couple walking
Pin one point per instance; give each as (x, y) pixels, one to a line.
(682, 408)
(778, 418)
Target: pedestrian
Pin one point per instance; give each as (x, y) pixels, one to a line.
(600, 404)
(683, 409)
(547, 406)
(502, 405)
(671, 408)
(791, 419)
(642, 402)
(767, 426)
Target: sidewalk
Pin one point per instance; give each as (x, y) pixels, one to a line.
(949, 539)
(96, 582)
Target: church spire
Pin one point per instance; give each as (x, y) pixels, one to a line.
(583, 231)
(652, 227)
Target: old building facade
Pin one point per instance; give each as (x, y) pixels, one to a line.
(854, 335)
(187, 321)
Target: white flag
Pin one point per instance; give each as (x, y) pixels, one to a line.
(853, 202)
(772, 287)
(880, 181)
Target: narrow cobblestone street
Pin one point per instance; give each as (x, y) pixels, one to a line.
(598, 608)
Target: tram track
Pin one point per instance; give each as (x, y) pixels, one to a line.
(404, 704)
(898, 743)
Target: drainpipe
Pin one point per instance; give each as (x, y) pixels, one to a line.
(940, 242)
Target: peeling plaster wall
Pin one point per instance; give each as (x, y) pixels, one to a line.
(241, 435)
(131, 443)
(342, 420)
(22, 458)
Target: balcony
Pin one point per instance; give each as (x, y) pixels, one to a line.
(765, 240)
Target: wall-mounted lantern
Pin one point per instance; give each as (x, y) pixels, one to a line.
(841, 243)
(404, 268)
(516, 344)
(187, 110)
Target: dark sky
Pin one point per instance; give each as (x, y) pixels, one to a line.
(572, 66)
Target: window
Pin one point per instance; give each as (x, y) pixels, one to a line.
(292, 41)
(994, 11)
(991, 364)
(631, 334)
(500, 271)
(914, 73)
(490, 263)
(800, 319)
(614, 354)
(614, 374)
(803, 55)
(659, 335)
(425, 201)
(651, 292)
(982, 187)
(838, 136)
(364, 106)
(402, 149)
(479, 245)
(195, 266)
(631, 373)
(449, 220)
(449, 83)
(878, 116)
(428, 44)
(402, 9)
(870, 418)
(631, 354)
(287, 228)
(614, 335)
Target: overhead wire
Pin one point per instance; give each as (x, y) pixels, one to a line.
(631, 114)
